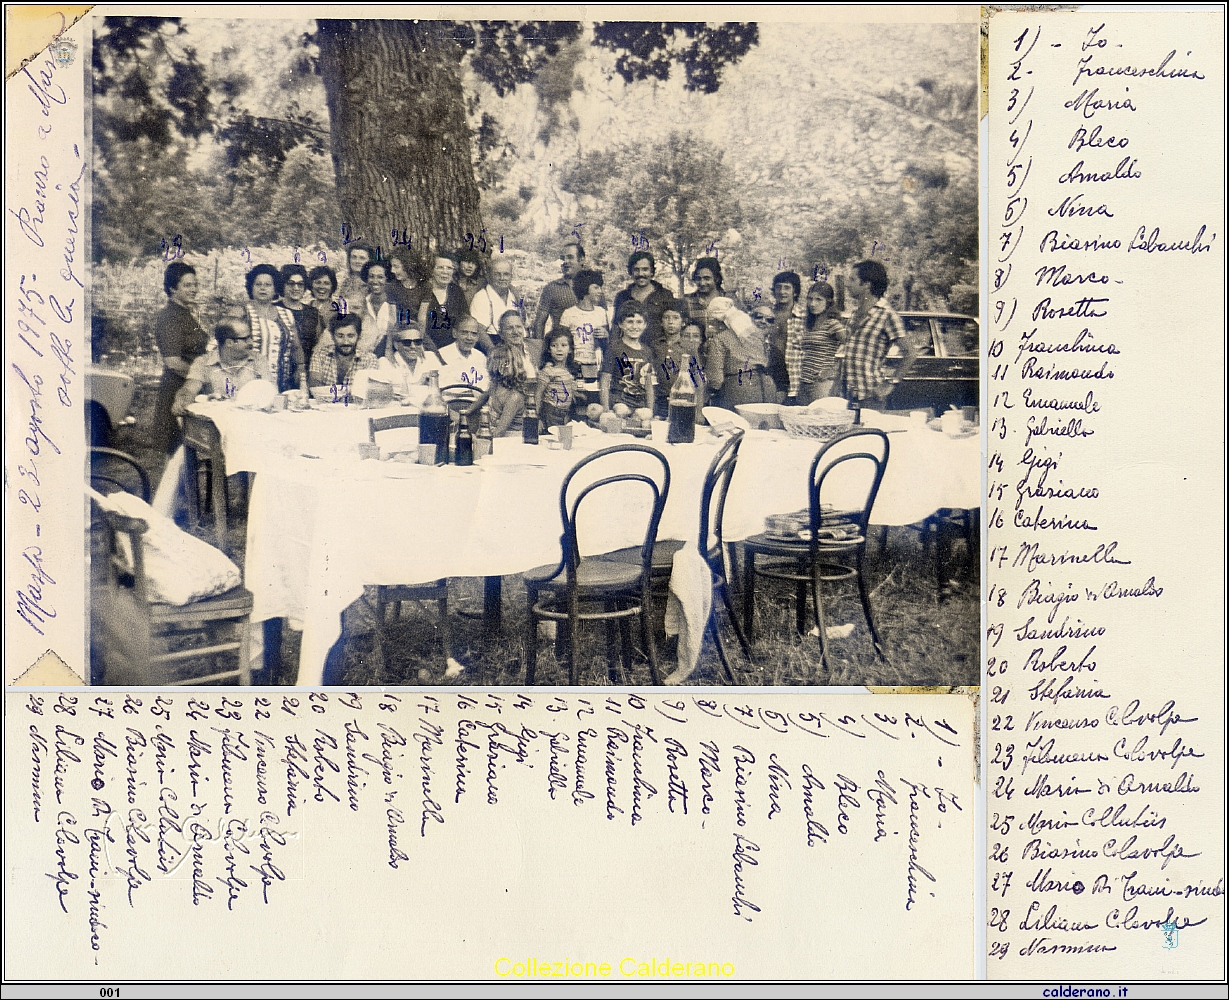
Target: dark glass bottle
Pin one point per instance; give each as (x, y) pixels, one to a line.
(681, 408)
(485, 443)
(464, 454)
(529, 422)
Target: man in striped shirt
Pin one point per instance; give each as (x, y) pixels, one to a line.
(873, 328)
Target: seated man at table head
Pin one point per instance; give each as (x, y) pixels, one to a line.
(465, 363)
(223, 371)
(409, 364)
(336, 358)
(872, 330)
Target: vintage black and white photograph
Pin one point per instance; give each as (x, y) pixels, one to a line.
(533, 353)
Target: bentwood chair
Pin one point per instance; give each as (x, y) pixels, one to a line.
(394, 422)
(391, 597)
(112, 470)
(579, 589)
(460, 396)
(810, 562)
(140, 641)
(711, 544)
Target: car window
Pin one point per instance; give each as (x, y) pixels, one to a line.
(917, 329)
(959, 337)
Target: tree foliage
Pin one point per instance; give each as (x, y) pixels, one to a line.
(181, 145)
(677, 197)
(648, 49)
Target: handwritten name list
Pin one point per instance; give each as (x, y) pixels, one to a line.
(1104, 662)
(432, 834)
(47, 174)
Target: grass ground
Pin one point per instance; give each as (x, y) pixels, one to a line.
(927, 642)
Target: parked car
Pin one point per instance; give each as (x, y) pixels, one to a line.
(947, 370)
(108, 395)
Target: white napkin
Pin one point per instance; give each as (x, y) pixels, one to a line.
(688, 606)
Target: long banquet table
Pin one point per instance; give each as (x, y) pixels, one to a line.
(323, 523)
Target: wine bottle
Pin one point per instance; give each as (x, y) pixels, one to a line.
(681, 406)
(464, 454)
(485, 443)
(529, 422)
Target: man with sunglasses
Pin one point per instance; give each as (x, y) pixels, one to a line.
(223, 371)
(409, 363)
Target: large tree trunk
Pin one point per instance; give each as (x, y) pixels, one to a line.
(399, 136)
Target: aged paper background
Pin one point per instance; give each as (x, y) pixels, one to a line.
(635, 876)
(1111, 777)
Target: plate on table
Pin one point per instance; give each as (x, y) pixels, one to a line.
(966, 430)
(716, 416)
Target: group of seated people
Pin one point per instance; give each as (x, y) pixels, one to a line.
(306, 330)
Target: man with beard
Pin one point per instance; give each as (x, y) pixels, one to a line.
(557, 295)
(649, 293)
(335, 360)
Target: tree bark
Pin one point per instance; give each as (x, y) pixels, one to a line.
(399, 135)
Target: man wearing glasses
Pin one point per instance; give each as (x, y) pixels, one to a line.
(224, 370)
(409, 364)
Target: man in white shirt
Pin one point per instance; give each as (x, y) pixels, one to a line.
(465, 364)
(409, 364)
(493, 301)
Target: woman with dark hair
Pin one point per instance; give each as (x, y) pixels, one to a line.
(822, 336)
(405, 273)
(306, 319)
(181, 341)
(707, 276)
(470, 275)
(275, 333)
(379, 310)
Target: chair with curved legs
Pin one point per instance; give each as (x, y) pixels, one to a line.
(711, 544)
(808, 563)
(579, 589)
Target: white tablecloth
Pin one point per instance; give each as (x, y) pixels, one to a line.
(319, 529)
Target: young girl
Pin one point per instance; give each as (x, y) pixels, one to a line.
(822, 335)
(506, 394)
(557, 387)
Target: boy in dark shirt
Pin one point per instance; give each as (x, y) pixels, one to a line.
(628, 369)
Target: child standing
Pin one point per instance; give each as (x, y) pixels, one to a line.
(590, 325)
(822, 335)
(628, 371)
(557, 389)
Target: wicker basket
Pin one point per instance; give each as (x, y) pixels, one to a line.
(819, 425)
